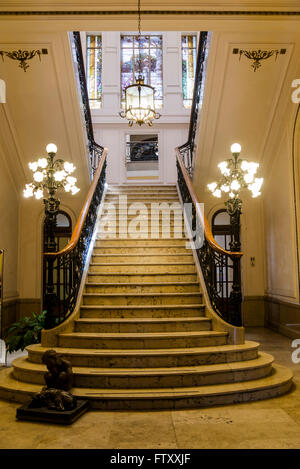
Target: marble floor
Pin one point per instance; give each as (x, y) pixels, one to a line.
(271, 424)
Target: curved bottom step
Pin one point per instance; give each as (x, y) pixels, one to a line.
(277, 384)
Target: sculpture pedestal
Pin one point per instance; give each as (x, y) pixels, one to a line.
(42, 414)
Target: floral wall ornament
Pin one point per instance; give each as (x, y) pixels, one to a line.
(23, 56)
(258, 55)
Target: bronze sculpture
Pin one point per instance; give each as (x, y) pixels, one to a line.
(59, 380)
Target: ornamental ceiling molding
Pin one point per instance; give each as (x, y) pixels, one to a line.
(149, 12)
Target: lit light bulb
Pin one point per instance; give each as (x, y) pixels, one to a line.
(235, 148)
(252, 167)
(212, 186)
(42, 163)
(28, 191)
(69, 167)
(235, 185)
(217, 193)
(223, 167)
(245, 165)
(74, 190)
(51, 148)
(71, 180)
(59, 175)
(225, 188)
(248, 178)
(38, 194)
(38, 176)
(33, 166)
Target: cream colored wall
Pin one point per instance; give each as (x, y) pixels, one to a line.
(280, 224)
(9, 228)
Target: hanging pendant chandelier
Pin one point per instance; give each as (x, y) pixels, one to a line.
(139, 97)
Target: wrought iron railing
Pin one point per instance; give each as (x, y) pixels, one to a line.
(187, 149)
(220, 268)
(95, 150)
(63, 270)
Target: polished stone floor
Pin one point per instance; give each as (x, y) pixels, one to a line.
(271, 424)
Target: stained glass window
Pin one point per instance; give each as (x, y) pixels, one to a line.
(94, 70)
(189, 60)
(145, 59)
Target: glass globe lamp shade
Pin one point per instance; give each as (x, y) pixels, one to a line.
(139, 103)
(51, 148)
(235, 148)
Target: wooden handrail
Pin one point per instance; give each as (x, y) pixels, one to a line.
(207, 230)
(84, 211)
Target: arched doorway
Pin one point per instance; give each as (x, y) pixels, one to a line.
(221, 230)
(63, 230)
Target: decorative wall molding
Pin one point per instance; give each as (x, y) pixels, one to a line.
(23, 56)
(149, 12)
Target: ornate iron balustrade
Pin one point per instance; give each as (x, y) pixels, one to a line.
(187, 149)
(95, 150)
(220, 268)
(63, 270)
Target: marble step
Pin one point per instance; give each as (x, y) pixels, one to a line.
(138, 250)
(276, 384)
(129, 299)
(140, 196)
(142, 324)
(142, 340)
(140, 199)
(135, 234)
(154, 268)
(141, 187)
(124, 243)
(152, 358)
(167, 287)
(141, 258)
(143, 220)
(131, 277)
(137, 378)
(172, 203)
(145, 311)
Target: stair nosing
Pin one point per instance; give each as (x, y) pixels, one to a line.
(263, 360)
(143, 335)
(180, 306)
(226, 348)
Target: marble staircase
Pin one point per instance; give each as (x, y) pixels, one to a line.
(142, 338)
